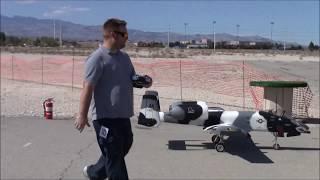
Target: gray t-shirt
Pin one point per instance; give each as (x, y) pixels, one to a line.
(111, 74)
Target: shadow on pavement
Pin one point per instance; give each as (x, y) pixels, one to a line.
(234, 145)
(246, 149)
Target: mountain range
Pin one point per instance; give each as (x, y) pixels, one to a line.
(33, 27)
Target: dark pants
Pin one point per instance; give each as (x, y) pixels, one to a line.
(114, 146)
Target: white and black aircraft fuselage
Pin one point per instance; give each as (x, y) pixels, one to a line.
(216, 120)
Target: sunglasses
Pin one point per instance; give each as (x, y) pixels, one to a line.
(123, 34)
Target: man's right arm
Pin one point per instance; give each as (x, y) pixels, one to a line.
(85, 99)
(92, 73)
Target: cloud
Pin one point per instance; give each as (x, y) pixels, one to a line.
(26, 1)
(64, 10)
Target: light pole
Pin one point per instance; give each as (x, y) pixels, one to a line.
(169, 37)
(238, 35)
(60, 39)
(185, 32)
(214, 36)
(271, 29)
(54, 29)
(284, 39)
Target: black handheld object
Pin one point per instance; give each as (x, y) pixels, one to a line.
(139, 81)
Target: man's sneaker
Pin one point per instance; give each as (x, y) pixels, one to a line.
(85, 172)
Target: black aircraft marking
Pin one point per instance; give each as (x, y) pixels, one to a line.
(190, 110)
(260, 121)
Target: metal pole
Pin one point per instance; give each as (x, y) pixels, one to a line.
(284, 41)
(272, 23)
(238, 35)
(277, 103)
(169, 37)
(72, 69)
(42, 70)
(42, 66)
(185, 32)
(214, 37)
(243, 86)
(54, 29)
(12, 67)
(60, 40)
(180, 81)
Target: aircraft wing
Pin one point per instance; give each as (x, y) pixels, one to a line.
(223, 129)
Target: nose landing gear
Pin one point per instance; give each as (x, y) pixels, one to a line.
(275, 146)
(218, 142)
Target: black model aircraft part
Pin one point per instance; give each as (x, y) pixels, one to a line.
(139, 81)
(150, 101)
(214, 115)
(282, 124)
(150, 107)
(217, 121)
(185, 112)
(149, 122)
(155, 93)
(293, 133)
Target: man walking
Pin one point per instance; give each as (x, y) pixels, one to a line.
(108, 90)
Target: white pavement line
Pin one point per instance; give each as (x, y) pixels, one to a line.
(28, 144)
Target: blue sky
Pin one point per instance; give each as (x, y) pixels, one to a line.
(294, 21)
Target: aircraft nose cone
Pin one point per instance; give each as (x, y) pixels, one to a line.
(302, 125)
(303, 129)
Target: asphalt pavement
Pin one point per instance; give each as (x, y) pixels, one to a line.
(34, 148)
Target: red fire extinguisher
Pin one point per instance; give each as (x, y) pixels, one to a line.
(48, 108)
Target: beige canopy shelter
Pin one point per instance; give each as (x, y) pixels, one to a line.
(278, 95)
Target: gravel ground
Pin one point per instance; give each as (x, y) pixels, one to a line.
(215, 79)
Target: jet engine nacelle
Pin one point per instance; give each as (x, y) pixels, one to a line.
(149, 110)
(181, 112)
(187, 112)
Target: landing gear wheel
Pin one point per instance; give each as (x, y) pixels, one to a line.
(220, 147)
(276, 146)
